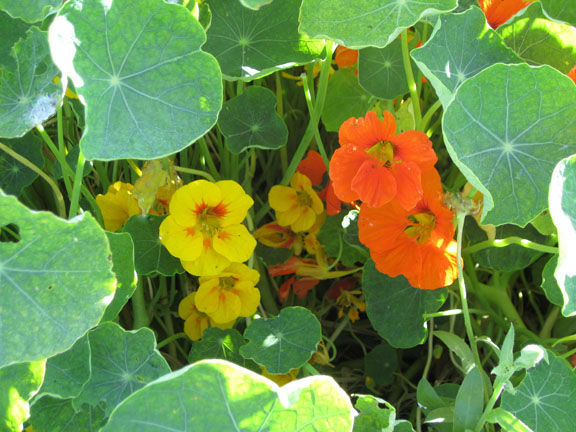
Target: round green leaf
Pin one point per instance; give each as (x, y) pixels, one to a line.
(13, 175)
(564, 10)
(381, 364)
(150, 255)
(250, 120)
(546, 399)
(122, 362)
(365, 22)
(284, 342)
(345, 99)
(506, 129)
(218, 344)
(28, 96)
(221, 396)
(381, 71)
(562, 199)
(67, 373)
(251, 44)
(30, 10)
(452, 55)
(11, 30)
(149, 90)
(56, 282)
(123, 266)
(49, 414)
(396, 309)
(540, 40)
(339, 237)
(18, 383)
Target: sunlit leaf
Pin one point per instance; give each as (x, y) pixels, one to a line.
(220, 396)
(30, 10)
(251, 121)
(250, 44)
(56, 282)
(50, 414)
(137, 65)
(122, 362)
(28, 96)
(540, 40)
(452, 55)
(506, 129)
(396, 309)
(284, 342)
(255, 4)
(365, 22)
(564, 10)
(218, 344)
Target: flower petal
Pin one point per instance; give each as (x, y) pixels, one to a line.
(249, 297)
(374, 184)
(182, 242)
(235, 201)
(416, 147)
(344, 165)
(380, 228)
(234, 242)
(209, 263)
(281, 198)
(191, 198)
(409, 184)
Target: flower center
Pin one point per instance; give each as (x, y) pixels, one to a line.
(227, 282)
(383, 152)
(303, 198)
(209, 218)
(420, 226)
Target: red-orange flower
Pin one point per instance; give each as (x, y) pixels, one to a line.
(499, 11)
(416, 243)
(375, 165)
(333, 204)
(572, 74)
(312, 166)
(345, 57)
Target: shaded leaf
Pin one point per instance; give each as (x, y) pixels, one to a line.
(56, 282)
(149, 89)
(563, 10)
(284, 342)
(11, 30)
(13, 175)
(218, 344)
(250, 44)
(50, 414)
(251, 121)
(381, 364)
(469, 402)
(396, 309)
(505, 130)
(255, 4)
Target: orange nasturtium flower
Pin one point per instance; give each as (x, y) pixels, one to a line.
(229, 295)
(312, 166)
(204, 228)
(117, 205)
(499, 11)
(297, 205)
(195, 322)
(572, 74)
(345, 57)
(375, 165)
(416, 243)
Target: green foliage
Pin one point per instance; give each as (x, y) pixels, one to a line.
(149, 89)
(469, 402)
(213, 395)
(403, 327)
(29, 10)
(56, 282)
(497, 131)
(250, 121)
(50, 414)
(10, 31)
(13, 175)
(284, 342)
(250, 44)
(218, 344)
(364, 22)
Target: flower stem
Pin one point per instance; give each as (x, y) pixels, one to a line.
(171, 339)
(428, 116)
(196, 172)
(57, 194)
(141, 317)
(310, 103)
(410, 79)
(510, 241)
(498, 387)
(60, 157)
(77, 186)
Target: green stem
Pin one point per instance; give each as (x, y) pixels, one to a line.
(314, 116)
(428, 116)
(498, 387)
(549, 323)
(310, 104)
(60, 157)
(280, 110)
(510, 241)
(77, 186)
(171, 339)
(196, 172)
(426, 369)
(463, 295)
(266, 295)
(208, 158)
(141, 317)
(452, 312)
(410, 80)
(57, 194)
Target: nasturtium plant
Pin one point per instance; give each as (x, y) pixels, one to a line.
(56, 282)
(13, 175)
(506, 129)
(148, 88)
(11, 30)
(28, 95)
(30, 10)
(249, 44)
(59, 415)
(250, 121)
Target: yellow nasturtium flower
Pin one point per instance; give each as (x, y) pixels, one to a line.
(204, 228)
(297, 205)
(117, 205)
(229, 295)
(195, 322)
